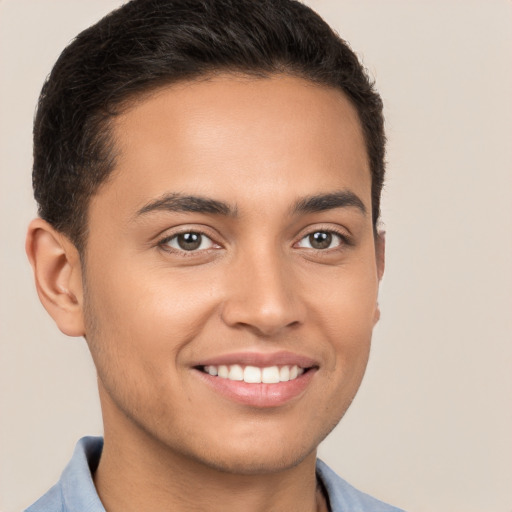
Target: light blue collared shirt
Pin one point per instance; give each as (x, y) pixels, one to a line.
(75, 491)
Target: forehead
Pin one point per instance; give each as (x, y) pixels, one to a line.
(241, 137)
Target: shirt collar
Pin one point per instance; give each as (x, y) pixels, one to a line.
(77, 486)
(79, 493)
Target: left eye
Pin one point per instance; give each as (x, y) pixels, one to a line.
(321, 240)
(189, 241)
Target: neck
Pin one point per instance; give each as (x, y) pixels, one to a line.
(137, 473)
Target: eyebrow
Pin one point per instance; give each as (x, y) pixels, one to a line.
(176, 202)
(322, 202)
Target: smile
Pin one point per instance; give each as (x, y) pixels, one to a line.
(258, 380)
(255, 374)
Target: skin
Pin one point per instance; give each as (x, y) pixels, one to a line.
(150, 311)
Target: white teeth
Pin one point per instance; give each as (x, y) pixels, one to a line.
(270, 375)
(236, 372)
(254, 374)
(223, 371)
(284, 374)
(212, 370)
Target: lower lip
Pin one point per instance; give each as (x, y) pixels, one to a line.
(259, 395)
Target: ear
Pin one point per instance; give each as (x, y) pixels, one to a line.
(380, 258)
(58, 275)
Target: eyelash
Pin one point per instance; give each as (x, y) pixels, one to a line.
(343, 237)
(163, 243)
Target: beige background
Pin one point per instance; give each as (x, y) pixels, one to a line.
(431, 429)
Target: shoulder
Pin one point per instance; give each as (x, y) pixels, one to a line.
(75, 491)
(343, 497)
(50, 502)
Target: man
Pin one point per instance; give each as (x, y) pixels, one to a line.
(208, 174)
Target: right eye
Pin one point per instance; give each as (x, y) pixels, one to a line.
(189, 241)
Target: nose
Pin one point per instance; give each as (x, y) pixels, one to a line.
(263, 296)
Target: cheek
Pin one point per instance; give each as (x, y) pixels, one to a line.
(143, 319)
(346, 314)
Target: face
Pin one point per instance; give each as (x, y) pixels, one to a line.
(231, 273)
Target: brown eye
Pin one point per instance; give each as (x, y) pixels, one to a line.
(189, 241)
(320, 240)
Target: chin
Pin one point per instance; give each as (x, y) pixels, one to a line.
(259, 451)
(252, 462)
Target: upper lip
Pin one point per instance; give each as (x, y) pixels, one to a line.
(261, 359)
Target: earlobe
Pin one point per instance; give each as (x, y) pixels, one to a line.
(58, 275)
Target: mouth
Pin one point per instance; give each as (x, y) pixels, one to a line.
(254, 374)
(258, 380)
